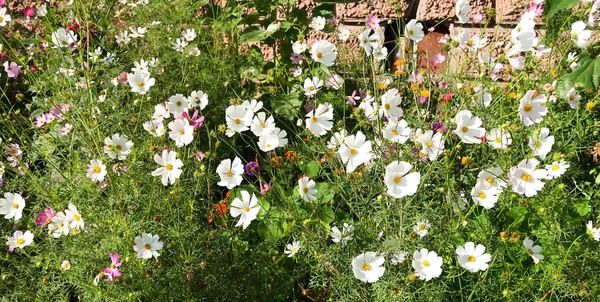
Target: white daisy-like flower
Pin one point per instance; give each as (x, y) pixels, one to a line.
(421, 228)
(397, 132)
(155, 128)
(485, 195)
(368, 40)
(181, 132)
(427, 264)
(312, 86)
(306, 188)
(198, 98)
(526, 178)
(170, 169)
(317, 23)
(140, 81)
(323, 52)
(246, 208)
(319, 121)
(473, 258)
(74, 219)
(556, 169)
(492, 177)
(342, 236)
(414, 30)
(189, 34)
(147, 246)
(355, 151)
(531, 110)
(399, 182)
(499, 138)
(533, 250)
(238, 118)
(178, 104)
(19, 240)
(230, 173)
(118, 146)
(368, 267)
(292, 249)
(96, 171)
(390, 104)
(541, 144)
(462, 11)
(468, 127)
(12, 205)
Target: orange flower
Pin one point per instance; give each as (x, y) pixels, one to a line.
(414, 86)
(399, 63)
(291, 156)
(425, 93)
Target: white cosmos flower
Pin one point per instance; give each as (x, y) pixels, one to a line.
(238, 118)
(427, 265)
(533, 250)
(74, 219)
(323, 52)
(579, 35)
(179, 45)
(499, 138)
(181, 132)
(189, 34)
(12, 205)
(432, 144)
(421, 228)
(319, 121)
(281, 135)
(96, 170)
(194, 52)
(123, 38)
(161, 112)
(178, 104)
(19, 240)
(306, 188)
(317, 23)
(526, 178)
(230, 173)
(246, 208)
(368, 41)
(147, 246)
(462, 11)
(268, 142)
(380, 53)
(531, 110)
(390, 104)
(468, 127)
(356, 150)
(414, 30)
(141, 66)
(492, 177)
(542, 143)
(62, 38)
(343, 33)
(473, 258)
(261, 125)
(170, 167)
(573, 98)
(198, 98)
(118, 146)
(556, 169)
(155, 128)
(4, 17)
(253, 106)
(485, 195)
(299, 47)
(397, 132)
(312, 86)
(400, 183)
(59, 225)
(342, 236)
(594, 232)
(368, 267)
(140, 81)
(292, 249)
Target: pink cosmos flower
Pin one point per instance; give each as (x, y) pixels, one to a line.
(64, 130)
(45, 217)
(194, 121)
(123, 77)
(11, 69)
(266, 187)
(477, 18)
(296, 71)
(373, 22)
(113, 270)
(438, 59)
(29, 12)
(40, 120)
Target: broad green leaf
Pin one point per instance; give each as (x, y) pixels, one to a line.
(582, 208)
(253, 34)
(325, 214)
(554, 6)
(310, 168)
(587, 73)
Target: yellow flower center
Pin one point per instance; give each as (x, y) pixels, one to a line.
(422, 227)
(169, 167)
(76, 217)
(20, 241)
(471, 259)
(526, 177)
(238, 121)
(387, 106)
(497, 140)
(411, 32)
(305, 190)
(530, 251)
(482, 195)
(319, 55)
(181, 132)
(366, 267)
(178, 103)
(118, 147)
(311, 88)
(229, 174)
(147, 246)
(262, 125)
(15, 206)
(395, 132)
(464, 129)
(246, 209)
(353, 151)
(397, 179)
(141, 84)
(429, 144)
(555, 167)
(538, 144)
(425, 263)
(97, 169)
(469, 43)
(527, 107)
(490, 180)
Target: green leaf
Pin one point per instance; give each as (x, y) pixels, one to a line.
(582, 208)
(598, 179)
(310, 168)
(518, 215)
(253, 34)
(587, 73)
(554, 6)
(325, 214)
(287, 105)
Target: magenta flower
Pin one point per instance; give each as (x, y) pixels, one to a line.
(194, 121)
(373, 22)
(29, 12)
(113, 270)
(45, 217)
(11, 69)
(266, 187)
